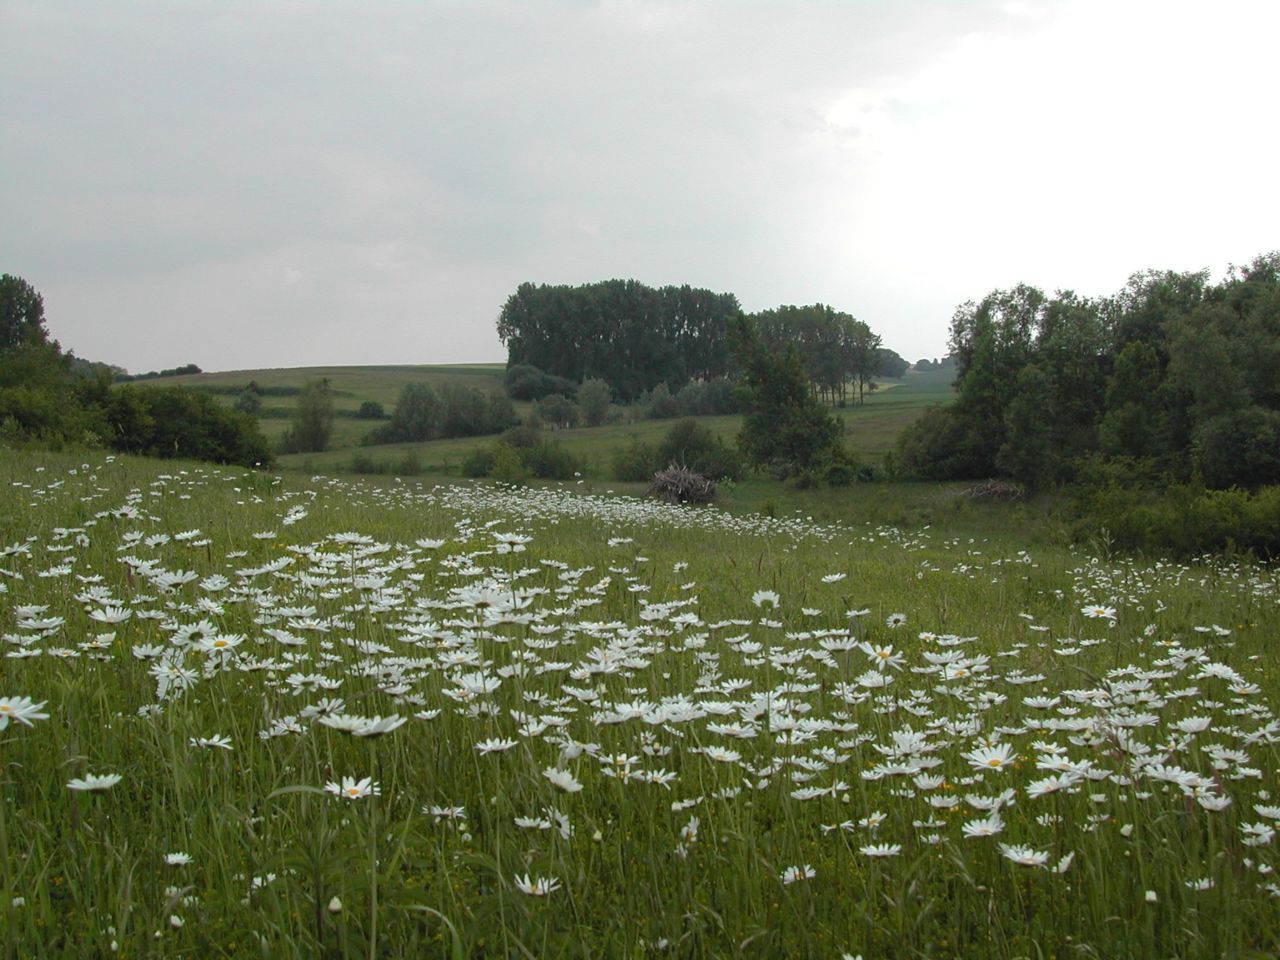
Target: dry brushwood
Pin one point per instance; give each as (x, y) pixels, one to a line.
(995, 490)
(679, 484)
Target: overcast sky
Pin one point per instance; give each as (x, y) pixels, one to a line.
(269, 183)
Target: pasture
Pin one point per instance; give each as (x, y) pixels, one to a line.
(871, 428)
(245, 715)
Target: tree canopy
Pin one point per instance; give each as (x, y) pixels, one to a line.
(630, 335)
(1172, 370)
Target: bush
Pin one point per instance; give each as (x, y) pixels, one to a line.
(594, 398)
(1180, 521)
(556, 410)
(537, 454)
(371, 410)
(662, 405)
(479, 462)
(696, 447)
(526, 382)
(549, 460)
(636, 462)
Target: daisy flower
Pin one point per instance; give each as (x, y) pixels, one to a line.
(217, 740)
(1024, 855)
(881, 850)
(1096, 612)
(20, 709)
(537, 887)
(762, 598)
(562, 779)
(177, 859)
(93, 782)
(354, 789)
(792, 874)
(991, 758)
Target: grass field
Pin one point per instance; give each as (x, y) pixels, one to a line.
(871, 428)
(352, 386)
(287, 717)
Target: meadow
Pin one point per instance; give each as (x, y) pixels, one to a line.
(281, 716)
(871, 428)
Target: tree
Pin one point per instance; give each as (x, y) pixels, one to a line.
(1027, 454)
(21, 314)
(662, 405)
(594, 398)
(249, 400)
(312, 419)
(784, 427)
(416, 416)
(557, 410)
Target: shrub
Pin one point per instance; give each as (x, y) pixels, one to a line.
(479, 462)
(526, 382)
(635, 462)
(537, 454)
(662, 405)
(695, 446)
(557, 410)
(371, 410)
(549, 460)
(594, 398)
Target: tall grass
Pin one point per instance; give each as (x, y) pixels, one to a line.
(755, 709)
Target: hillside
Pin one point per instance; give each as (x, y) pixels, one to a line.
(871, 428)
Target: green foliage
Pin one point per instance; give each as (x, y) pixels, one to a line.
(414, 418)
(186, 370)
(1180, 521)
(249, 400)
(21, 314)
(784, 427)
(522, 452)
(1170, 369)
(172, 422)
(594, 398)
(371, 410)
(707, 398)
(690, 444)
(1027, 454)
(556, 410)
(1239, 447)
(312, 421)
(456, 411)
(526, 382)
(621, 331)
(833, 348)
(637, 462)
(662, 405)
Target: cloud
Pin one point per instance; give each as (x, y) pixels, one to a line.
(285, 183)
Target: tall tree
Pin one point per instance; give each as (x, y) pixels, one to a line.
(21, 313)
(312, 425)
(784, 426)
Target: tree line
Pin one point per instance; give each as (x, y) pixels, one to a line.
(1174, 375)
(51, 397)
(635, 337)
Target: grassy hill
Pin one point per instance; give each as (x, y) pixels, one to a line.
(872, 427)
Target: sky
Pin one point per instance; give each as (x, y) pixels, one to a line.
(279, 183)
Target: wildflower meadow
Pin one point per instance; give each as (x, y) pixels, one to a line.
(249, 716)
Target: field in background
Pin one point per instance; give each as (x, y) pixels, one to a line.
(352, 386)
(872, 428)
